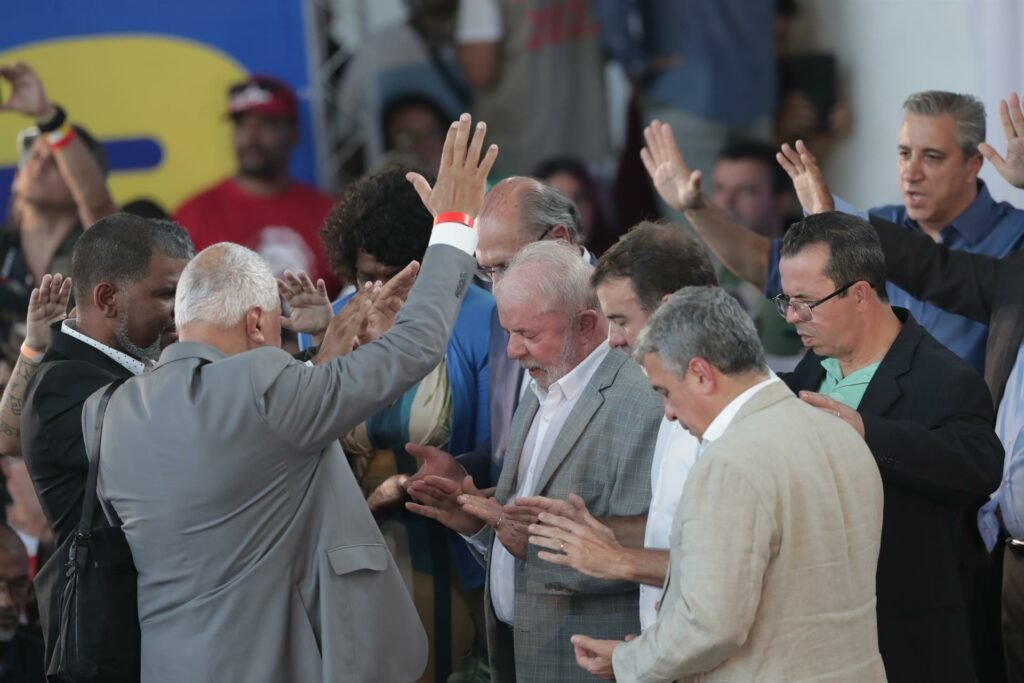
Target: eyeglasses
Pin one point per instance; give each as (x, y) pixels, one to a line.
(802, 309)
(494, 273)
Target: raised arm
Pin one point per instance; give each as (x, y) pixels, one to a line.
(743, 251)
(83, 175)
(957, 281)
(45, 307)
(351, 388)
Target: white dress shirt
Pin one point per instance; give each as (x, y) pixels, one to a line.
(132, 365)
(674, 454)
(729, 412)
(556, 404)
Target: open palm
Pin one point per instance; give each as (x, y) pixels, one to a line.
(677, 185)
(1012, 166)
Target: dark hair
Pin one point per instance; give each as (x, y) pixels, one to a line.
(119, 248)
(787, 8)
(658, 259)
(855, 253)
(401, 102)
(380, 214)
(147, 208)
(601, 235)
(752, 150)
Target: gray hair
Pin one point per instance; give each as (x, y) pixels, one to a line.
(702, 322)
(553, 274)
(221, 284)
(967, 110)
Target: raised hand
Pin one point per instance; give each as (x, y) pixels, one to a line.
(808, 182)
(309, 306)
(1012, 166)
(672, 178)
(345, 329)
(385, 307)
(462, 176)
(46, 306)
(28, 96)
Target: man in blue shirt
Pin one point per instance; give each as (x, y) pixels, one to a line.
(938, 161)
(705, 66)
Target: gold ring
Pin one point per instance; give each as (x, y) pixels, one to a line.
(497, 525)
(562, 547)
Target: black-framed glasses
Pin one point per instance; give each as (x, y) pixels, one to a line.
(494, 273)
(802, 309)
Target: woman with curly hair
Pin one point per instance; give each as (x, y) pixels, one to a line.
(378, 226)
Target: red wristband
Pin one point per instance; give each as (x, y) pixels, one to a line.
(58, 141)
(454, 217)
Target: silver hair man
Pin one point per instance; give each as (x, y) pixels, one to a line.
(703, 322)
(221, 284)
(967, 110)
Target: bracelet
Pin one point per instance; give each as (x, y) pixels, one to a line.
(61, 138)
(56, 121)
(31, 355)
(454, 217)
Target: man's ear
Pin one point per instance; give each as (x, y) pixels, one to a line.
(588, 320)
(704, 375)
(664, 299)
(105, 299)
(974, 167)
(254, 326)
(559, 232)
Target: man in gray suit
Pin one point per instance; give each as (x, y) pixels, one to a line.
(587, 425)
(775, 542)
(258, 559)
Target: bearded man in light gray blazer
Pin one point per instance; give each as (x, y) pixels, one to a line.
(587, 424)
(258, 559)
(774, 545)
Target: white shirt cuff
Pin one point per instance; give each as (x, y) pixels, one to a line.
(477, 540)
(456, 235)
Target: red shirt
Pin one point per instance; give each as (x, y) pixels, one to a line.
(283, 229)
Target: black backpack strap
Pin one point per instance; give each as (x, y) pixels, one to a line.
(88, 509)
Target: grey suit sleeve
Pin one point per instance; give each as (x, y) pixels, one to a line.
(312, 406)
(721, 545)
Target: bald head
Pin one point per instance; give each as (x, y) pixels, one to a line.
(518, 211)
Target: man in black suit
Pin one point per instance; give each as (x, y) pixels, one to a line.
(924, 413)
(990, 291)
(125, 271)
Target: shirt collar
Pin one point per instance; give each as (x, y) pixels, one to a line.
(976, 221)
(728, 414)
(572, 384)
(132, 365)
(834, 370)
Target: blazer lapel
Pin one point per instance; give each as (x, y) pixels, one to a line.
(518, 432)
(884, 388)
(582, 413)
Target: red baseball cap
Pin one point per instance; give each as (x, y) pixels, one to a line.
(263, 95)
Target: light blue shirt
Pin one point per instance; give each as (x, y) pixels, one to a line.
(1009, 498)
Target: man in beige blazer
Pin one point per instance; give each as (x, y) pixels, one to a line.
(775, 542)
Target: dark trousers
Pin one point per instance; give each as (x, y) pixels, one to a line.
(1013, 612)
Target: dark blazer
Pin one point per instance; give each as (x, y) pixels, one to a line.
(928, 421)
(976, 286)
(51, 428)
(54, 451)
